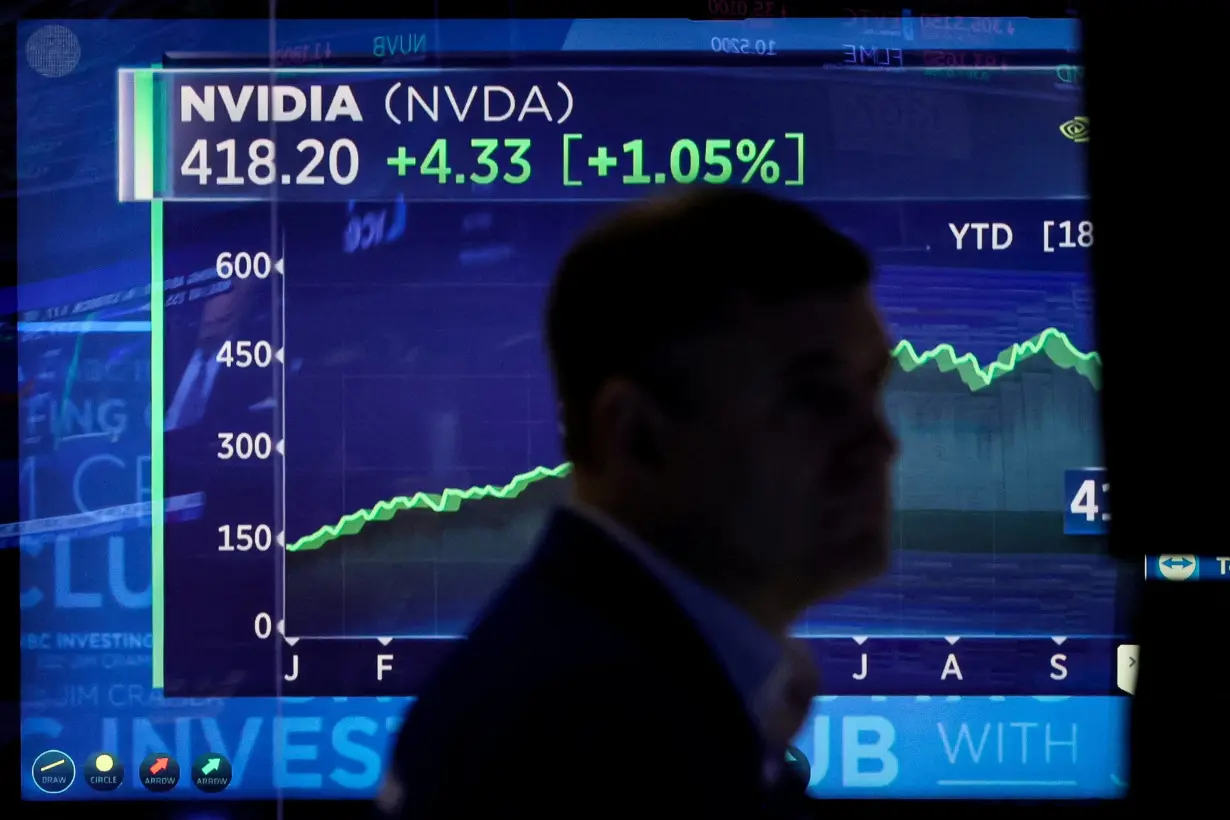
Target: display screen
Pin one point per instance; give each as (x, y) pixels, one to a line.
(288, 423)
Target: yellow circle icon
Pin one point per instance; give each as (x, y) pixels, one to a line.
(104, 763)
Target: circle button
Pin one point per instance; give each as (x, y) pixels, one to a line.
(104, 772)
(53, 772)
(211, 773)
(159, 772)
(1176, 567)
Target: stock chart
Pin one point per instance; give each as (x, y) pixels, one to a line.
(388, 424)
(303, 439)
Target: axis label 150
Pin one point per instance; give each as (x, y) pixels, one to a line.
(245, 537)
(1087, 491)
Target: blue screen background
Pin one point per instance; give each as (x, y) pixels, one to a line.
(86, 632)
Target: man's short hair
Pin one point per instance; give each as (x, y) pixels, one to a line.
(670, 270)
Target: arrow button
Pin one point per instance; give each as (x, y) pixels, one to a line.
(1176, 567)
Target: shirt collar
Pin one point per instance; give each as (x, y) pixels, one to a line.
(747, 651)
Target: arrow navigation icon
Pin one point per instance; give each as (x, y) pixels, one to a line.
(1176, 567)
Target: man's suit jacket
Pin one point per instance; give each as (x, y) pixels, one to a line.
(583, 689)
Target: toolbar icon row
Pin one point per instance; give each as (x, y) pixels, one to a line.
(54, 772)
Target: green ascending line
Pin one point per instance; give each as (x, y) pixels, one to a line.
(448, 501)
(1051, 342)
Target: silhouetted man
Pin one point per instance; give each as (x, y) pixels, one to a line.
(720, 367)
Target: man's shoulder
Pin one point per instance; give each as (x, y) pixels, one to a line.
(544, 689)
(529, 658)
(561, 682)
(481, 703)
(536, 657)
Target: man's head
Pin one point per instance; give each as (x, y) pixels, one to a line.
(720, 366)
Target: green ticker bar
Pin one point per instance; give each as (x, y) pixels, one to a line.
(156, 397)
(148, 135)
(146, 108)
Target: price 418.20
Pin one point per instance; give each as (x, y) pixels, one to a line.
(311, 163)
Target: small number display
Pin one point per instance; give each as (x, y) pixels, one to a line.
(1088, 501)
(262, 167)
(245, 353)
(244, 446)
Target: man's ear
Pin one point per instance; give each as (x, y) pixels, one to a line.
(629, 424)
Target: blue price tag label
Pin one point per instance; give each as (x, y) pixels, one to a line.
(1215, 568)
(1087, 496)
(1173, 567)
(1187, 568)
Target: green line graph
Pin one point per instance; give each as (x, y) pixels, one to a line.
(1052, 343)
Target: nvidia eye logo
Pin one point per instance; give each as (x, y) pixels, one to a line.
(1076, 129)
